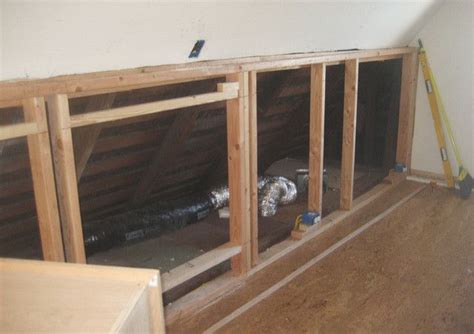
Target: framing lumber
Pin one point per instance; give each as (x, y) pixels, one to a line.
(84, 139)
(351, 77)
(316, 137)
(66, 181)
(7, 119)
(227, 92)
(18, 130)
(43, 181)
(253, 166)
(166, 154)
(109, 81)
(188, 270)
(406, 118)
(239, 186)
(240, 95)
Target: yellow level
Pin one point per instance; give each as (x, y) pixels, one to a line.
(431, 89)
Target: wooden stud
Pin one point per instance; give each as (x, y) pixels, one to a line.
(66, 181)
(253, 166)
(84, 139)
(351, 76)
(406, 118)
(43, 181)
(316, 137)
(238, 176)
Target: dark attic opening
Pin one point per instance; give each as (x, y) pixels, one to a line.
(153, 190)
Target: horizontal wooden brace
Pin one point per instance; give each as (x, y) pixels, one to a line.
(336, 57)
(226, 92)
(18, 130)
(188, 270)
(110, 81)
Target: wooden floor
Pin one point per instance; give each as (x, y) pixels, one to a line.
(411, 272)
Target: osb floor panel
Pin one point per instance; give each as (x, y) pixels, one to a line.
(412, 271)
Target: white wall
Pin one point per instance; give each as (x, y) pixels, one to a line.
(1, 39)
(448, 38)
(48, 38)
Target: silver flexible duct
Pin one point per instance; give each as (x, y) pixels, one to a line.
(150, 221)
(277, 190)
(272, 191)
(219, 197)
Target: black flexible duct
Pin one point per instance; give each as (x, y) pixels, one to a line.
(152, 220)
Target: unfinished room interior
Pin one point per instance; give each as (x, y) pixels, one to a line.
(236, 167)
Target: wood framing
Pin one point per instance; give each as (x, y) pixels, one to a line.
(316, 137)
(239, 204)
(43, 181)
(35, 128)
(240, 94)
(234, 91)
(18, 130)
(406, 118)
(114, 81)
(226, 91)
(351, 77)
(253, 166)
(188, 270)
(66, 180)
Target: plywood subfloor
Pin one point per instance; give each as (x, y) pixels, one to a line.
(411, 272)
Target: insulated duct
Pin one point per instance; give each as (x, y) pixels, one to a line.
(145, 223)
(151, 221)
(277, 190)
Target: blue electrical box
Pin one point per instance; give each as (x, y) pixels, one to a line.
(400, 168)
(310, 218)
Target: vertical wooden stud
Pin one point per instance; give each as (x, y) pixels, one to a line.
(239, 176)
(66, 182)
(406, 118)
(253, 156)
(351, 77)
(43, 181)
(316, 137)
